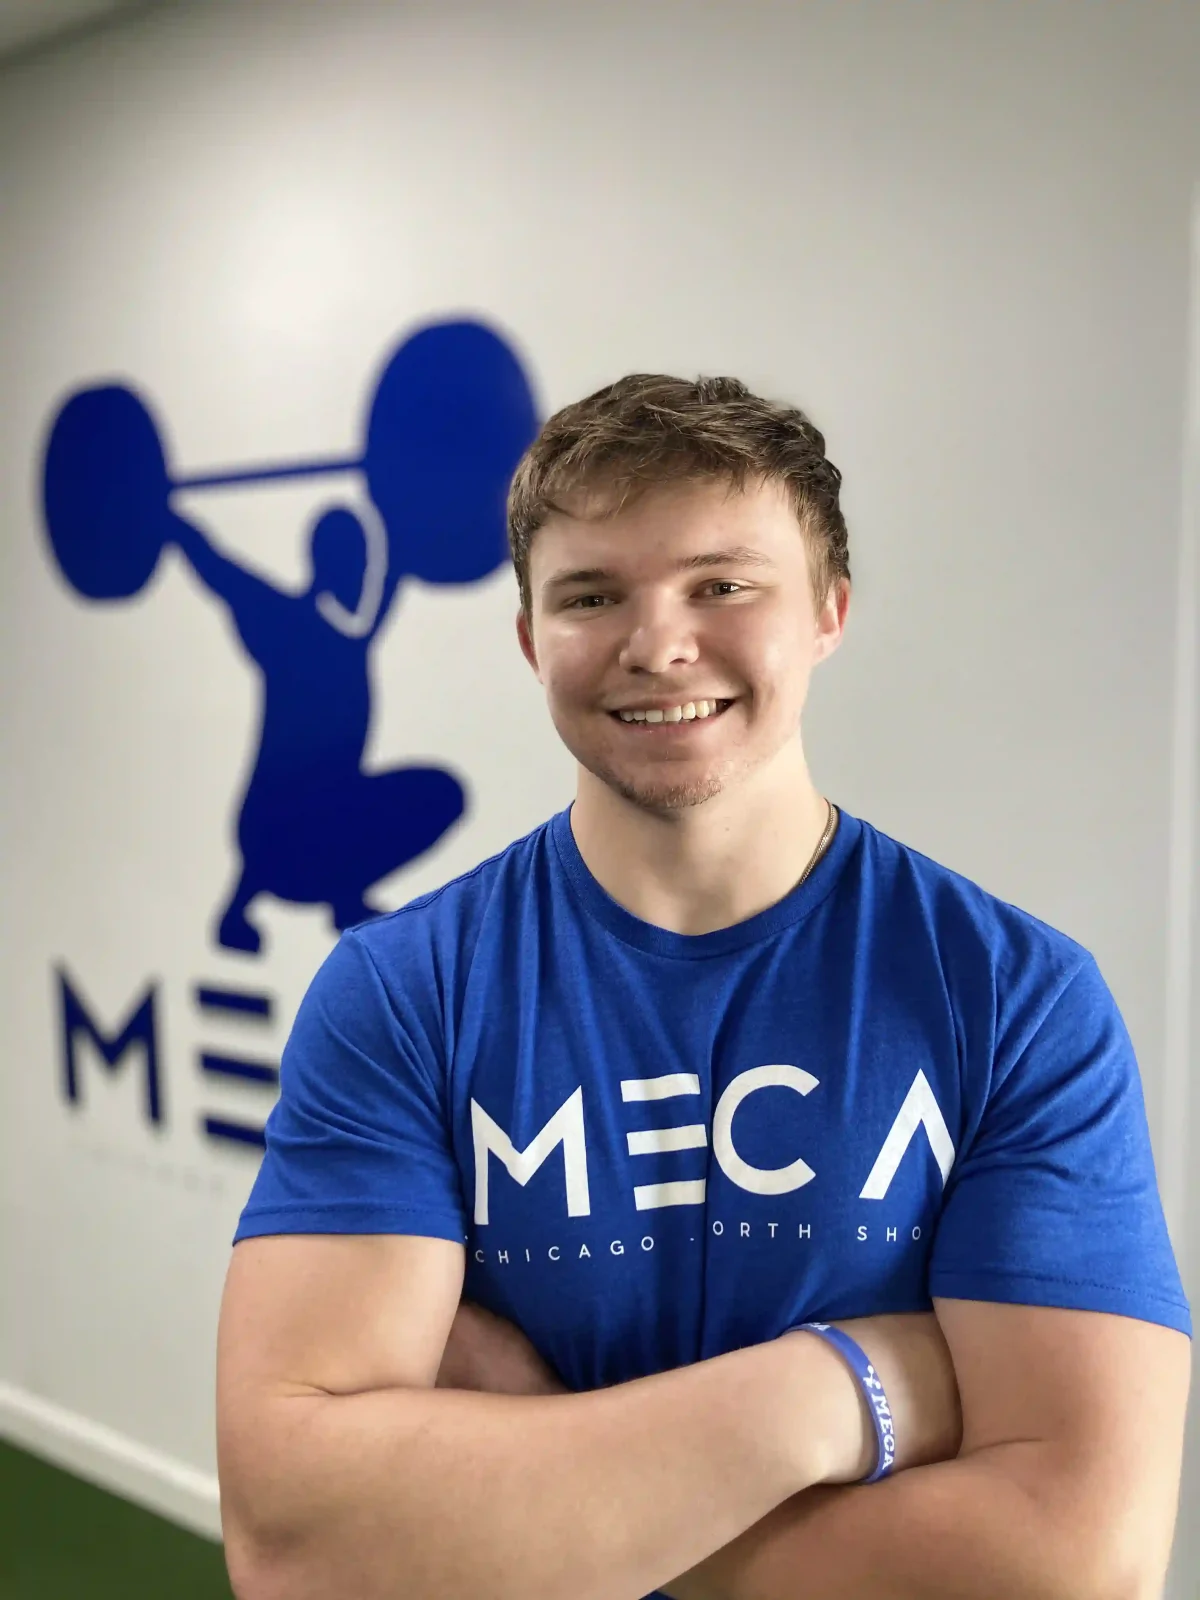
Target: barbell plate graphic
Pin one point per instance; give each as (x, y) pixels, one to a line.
(105, 491)
(451, 417)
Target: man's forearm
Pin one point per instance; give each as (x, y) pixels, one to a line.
(1001, 1522)
(431, 1494)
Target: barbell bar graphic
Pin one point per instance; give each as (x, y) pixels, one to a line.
(265, 474)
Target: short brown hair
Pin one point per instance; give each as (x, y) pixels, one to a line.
(648, 429)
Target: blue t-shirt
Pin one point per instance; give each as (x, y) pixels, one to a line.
(657, 1147)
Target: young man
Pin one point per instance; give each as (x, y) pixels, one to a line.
(698, 1061)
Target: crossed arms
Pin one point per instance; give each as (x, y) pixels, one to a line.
(346, 1472)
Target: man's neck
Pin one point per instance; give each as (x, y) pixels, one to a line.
(708, 866)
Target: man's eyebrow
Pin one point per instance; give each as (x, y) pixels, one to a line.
(564, 580)
(738, 555)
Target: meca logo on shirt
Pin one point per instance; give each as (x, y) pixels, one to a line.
(566, 1128)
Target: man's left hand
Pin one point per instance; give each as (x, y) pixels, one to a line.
(487, 1353)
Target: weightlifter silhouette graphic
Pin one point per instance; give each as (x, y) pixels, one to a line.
(450, 417)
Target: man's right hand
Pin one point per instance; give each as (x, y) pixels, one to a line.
(913, 1361)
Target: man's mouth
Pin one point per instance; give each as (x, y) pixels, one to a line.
(686, 711)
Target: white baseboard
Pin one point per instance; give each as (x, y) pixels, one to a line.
(111, 1459)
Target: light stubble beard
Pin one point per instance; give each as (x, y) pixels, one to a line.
(661, 797)
(657, 796)
(664, 801)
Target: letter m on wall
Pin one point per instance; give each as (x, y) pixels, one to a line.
(565, 1127)
(140, 1029)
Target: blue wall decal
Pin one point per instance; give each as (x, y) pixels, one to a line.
(450, 416)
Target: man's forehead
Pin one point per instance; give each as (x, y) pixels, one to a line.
(623, 501)
(677, 524)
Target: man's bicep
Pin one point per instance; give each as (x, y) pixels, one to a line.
(335, 1313)
(305, 1318)
(1090, 1404)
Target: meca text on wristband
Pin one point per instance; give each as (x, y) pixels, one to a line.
(871, 1385)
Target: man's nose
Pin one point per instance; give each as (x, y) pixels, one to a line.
(661, 636)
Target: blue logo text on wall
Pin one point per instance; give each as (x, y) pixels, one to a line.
(450, 416)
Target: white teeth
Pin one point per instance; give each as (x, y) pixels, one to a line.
(693, 711)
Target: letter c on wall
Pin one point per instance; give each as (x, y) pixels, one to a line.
(758, 1180)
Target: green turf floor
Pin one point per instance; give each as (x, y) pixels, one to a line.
(63, 1539)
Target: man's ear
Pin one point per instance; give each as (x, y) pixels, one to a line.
(831, 619)
(525, 640)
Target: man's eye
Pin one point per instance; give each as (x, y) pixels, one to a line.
(587, 602)
(726, 586)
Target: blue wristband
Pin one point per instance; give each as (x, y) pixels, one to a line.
(872, 1387)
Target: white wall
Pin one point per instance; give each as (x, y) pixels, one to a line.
(958, 235)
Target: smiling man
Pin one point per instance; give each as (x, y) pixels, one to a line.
(706, 1152)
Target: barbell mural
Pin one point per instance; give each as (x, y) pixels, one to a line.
(448, 419)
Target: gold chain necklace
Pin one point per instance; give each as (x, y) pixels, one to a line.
(822, 843)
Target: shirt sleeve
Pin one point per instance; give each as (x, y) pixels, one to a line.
(1055, 1201)
(358, 1141)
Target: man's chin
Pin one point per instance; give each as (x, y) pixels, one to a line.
(660, 789)
(662, 797)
